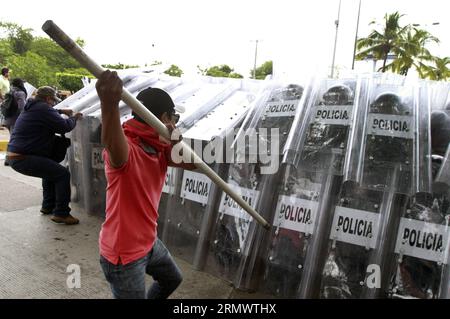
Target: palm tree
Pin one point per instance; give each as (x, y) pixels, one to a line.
(406, 43)
(379, 44)
(411, 51)
(438, 72)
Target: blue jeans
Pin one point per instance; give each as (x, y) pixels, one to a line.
(128, 281)
(55, 181)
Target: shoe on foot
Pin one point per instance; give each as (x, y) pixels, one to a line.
(68, 220)
(46, 211)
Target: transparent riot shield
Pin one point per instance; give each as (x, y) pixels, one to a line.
(295, 225)
(389, 138)
(170, 189)
(422, 248)
(77, 102)
(359, 231)
(74, 156)
(328, 125)
(198, 98)
(369, 206)
(421, 269)
(233, 252)
(189, 213)
(313, 161)
(442, 177)
(442, 191)
(439, 121)
(279, 113)
(210, 93)
(439, 94)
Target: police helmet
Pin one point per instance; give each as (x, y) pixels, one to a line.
(295, 91)
(389, 103)
(290, 92)
(338, 95)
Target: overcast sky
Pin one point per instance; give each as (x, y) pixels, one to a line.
(297, 35)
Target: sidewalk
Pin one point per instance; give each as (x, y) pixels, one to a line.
(35, 252)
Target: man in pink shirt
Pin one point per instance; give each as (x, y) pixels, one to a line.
(136, 160)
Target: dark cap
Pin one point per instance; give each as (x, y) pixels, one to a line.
(47, 91)
(158, 101)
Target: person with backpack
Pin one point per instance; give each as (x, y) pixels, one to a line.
(18, 96)
(31, 151)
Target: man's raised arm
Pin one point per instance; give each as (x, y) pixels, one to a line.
(109, 89)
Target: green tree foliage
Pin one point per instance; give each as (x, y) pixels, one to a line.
(33, 68)
(438, 72)
(380, 43)
(263, 70)
(71, 82)
(5, 51)
(71, 79)
(412, 51)
(79, 71)
(174, 70)
(119, 66)
(222, 70)
(56, 57)
(219, 71)
(406, 44)
(19, 38)
(37, 59)
(235, 75)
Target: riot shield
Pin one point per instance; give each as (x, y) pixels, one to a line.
(198, 97)
(295, 225)
(389, 138)
(328, 126)
(442, 187)
(188, 214)
(211, 92)
(422, 246)
(233, 253)
(369, 206)
(313, 161)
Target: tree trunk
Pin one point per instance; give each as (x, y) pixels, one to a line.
(384, 63)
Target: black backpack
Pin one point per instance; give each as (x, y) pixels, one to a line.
(9, 105)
